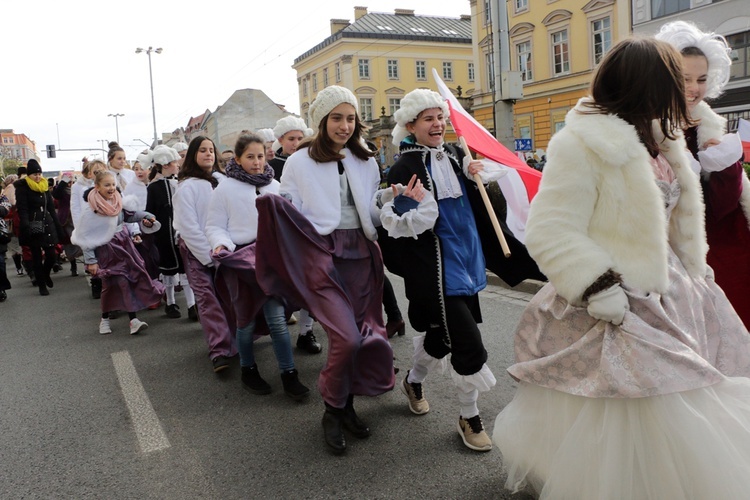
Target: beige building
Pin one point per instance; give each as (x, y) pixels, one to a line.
(383, 56)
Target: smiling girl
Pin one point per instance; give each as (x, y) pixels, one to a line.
(726, 188)
(319, 252)
(194, 188)
(110, 255)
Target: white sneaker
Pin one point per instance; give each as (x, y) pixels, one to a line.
(137, 326)
(104, 327)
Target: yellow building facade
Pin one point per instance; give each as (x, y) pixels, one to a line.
(556, 45)
(383, 56)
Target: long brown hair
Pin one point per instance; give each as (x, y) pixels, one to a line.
(640, 80)
(322, 147)
(190, 167)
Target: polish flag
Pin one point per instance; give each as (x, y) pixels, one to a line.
(744, 132)
(521, 182)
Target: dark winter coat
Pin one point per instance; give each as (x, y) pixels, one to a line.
(35, 206)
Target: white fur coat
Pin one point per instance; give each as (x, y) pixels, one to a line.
(314, 190)
(599, 208)
(713, 126)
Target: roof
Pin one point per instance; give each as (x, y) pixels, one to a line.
(401, 27)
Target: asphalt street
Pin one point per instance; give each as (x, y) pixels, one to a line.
(84, 415)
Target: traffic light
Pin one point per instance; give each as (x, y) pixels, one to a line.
(51, 153)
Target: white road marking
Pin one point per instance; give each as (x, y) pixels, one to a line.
(150, 434)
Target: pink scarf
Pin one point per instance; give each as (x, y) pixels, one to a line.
(102, 206)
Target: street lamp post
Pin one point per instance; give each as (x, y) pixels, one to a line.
(151, 79)
(117, 125)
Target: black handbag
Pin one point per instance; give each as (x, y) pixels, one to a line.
(37, 226)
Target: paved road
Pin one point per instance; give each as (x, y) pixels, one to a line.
(119, 416)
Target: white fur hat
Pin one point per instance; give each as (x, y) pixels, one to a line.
(179, 146)
(289, 123)
(163, 155)
(682, 34)
(329, 98)
(266, 134)
(412, 104)
(144, 159)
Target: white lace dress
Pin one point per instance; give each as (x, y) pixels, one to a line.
(656, 408)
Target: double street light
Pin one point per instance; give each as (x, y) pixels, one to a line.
(117, 125)
(151, 78)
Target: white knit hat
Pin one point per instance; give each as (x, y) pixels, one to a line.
(329, 98)
(266, 134)
(163, 155)
(412, 104)
(289, 123)
(682, 34)
(179, 146)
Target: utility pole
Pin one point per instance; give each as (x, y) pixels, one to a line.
(508, 85)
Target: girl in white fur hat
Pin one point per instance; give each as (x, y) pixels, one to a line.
(726, 188)
(319, 253)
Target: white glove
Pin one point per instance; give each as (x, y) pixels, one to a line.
(609, 305)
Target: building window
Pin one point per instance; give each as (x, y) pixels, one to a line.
(315, 82)
(325, 77)
(338, 72)
(660, 8)
(471, 71)
(364, 69)
(448, 71)
(393, 105)
(602, 38)
(365, 108)
(393, 69)
(421, 70)
(520, 5)
(523, 53)
(490, 71)
(560, 53)
(304, 87)
(740, 55)
(487, 12)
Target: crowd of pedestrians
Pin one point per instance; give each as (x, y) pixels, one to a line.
(632, 362)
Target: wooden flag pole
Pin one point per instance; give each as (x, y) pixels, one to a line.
(487, 203)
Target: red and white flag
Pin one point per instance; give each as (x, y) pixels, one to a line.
(743, 130)
(521, 182)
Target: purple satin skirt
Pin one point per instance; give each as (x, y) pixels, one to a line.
(339, 279)
(213, 314)
(126, 285)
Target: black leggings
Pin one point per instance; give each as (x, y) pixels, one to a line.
(43, 259)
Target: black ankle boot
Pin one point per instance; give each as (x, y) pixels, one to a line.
(352, 422)
(43, 290)
(253, 382)
(332, 429)
(292, 386)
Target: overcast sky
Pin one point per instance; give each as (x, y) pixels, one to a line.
(68, 65)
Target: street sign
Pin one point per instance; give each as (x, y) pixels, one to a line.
(523, 144)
